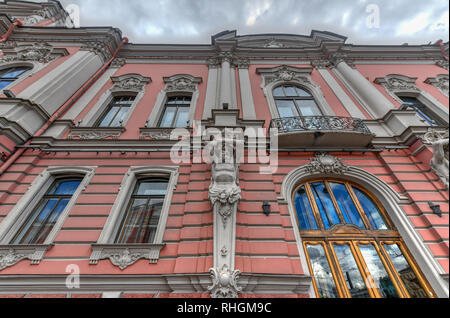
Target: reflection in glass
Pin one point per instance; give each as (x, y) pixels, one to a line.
(370, 208)
(322, 272)
(405, 271)
(346, 204)
(378, 271)
(40, 223)
(142, 216)
(325, 205)
(352, 276)
(304, 212)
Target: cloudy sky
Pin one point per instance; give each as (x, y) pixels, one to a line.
(194, 21)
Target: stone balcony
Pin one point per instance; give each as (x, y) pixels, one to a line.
(322, 131)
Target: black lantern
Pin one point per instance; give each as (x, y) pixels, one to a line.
(266, 208)
(436, 208)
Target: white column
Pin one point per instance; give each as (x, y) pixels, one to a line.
(55, 88)
(352, 109)
(248, 105)
(378, 103)
(225, 84)
(211, 91)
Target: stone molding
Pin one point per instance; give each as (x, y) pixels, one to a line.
(129, 83)
(99, 48)
(325, 163)
(100, 133)
(395, 83)
(443, 64)
(440, 82)
(225, 283)
(339, 57)
(182, 83)
(37, 52)
(125, 255)
(10, 255)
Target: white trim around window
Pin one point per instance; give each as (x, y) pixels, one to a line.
(125, 85)
(124, 255)
(15, 219)
(288, 75)
(177, 85)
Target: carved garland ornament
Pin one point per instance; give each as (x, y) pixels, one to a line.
(37, 52)
(225, 283)
(440, 82)
(127, 255)
(326, 164)
(130, 82)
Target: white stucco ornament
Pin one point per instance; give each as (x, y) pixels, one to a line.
(224, 283)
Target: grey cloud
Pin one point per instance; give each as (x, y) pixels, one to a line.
(194, 21)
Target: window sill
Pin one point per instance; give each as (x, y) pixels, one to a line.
(96, 133)
(125, 255)
(13, 254)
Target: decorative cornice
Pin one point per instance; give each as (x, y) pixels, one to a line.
(286, 73)
(12, 254)
(182, 83)
(155, 133)
(125, 255)
(325, 163)
(395, 83)
(118, 63)
(95, 133)
(37, 52)
(443, 64)
(224, 283)
(339, 57)
(321, 64)
(99, 48)
(130, 83)
(440, 82)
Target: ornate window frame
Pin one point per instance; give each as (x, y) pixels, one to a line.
(396, 85)
(440, 82)
(288, 75)
(327, 166)
(12, 254)
(124, 255)
(128, 84)
(180, 84)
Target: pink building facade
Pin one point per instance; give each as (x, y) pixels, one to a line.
(94, 204)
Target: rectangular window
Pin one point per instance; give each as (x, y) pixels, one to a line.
(176, 113)
(44, 217)
(422, 111)
(116, 112)
(143, 213)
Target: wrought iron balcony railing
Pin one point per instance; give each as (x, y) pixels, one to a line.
(319, 123)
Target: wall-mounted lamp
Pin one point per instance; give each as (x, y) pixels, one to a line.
(266, 208)
(436, 208)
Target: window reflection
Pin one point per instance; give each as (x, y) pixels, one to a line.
(352, 276)
(304, 212)
(405, 271)
(373, 213)
(325, 204)
(378, 272)
(322, 272)
(346, 204)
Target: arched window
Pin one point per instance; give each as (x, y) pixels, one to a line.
(423, 111)
(176, 112)
(353, 249)
(9, 75)
(293, 101)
